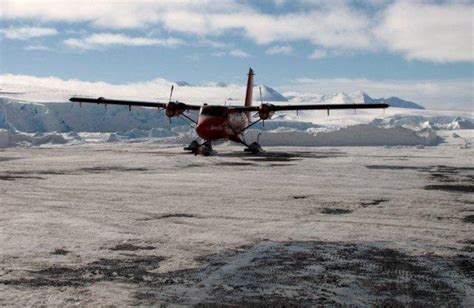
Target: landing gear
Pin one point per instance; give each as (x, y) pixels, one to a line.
(254, 148)
(193, 146)
(204, 149)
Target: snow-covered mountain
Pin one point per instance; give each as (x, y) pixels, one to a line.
(392, 101)
(268, 94)
(18, 112)
(358, 97)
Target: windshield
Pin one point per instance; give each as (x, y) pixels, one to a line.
(216, 111)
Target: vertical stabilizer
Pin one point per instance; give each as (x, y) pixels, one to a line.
(248, 95)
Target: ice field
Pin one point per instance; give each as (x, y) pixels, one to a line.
(146, 224)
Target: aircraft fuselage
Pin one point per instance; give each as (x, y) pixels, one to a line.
(216, 122)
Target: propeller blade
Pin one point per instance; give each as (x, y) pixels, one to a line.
(171, 93)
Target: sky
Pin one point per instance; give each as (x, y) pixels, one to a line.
(418, 50)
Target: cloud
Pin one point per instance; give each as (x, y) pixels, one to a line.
(435, 94)
(279, 50)
(430, 32)
(239, 53)
(56, 89)
(436, 31)
(233, 53)
(336, 25)
(24, 33)
(37, 47)
(318, 54)
(109, 14)
(213, 44)
(102, 40)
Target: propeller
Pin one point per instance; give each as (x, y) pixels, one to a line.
(171, 93)
(261, 103)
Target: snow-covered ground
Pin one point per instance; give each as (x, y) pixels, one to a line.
(143, 223)
(102, 207)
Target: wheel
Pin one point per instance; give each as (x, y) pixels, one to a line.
(254, 148)
(193, 146)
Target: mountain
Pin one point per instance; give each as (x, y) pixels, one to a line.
(460, 123)
(358, 97)
(392, 101)
(268, 94)
(183, 84)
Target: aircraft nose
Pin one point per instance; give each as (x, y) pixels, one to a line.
(210, 128)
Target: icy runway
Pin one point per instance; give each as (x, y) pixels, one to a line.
(145, 224)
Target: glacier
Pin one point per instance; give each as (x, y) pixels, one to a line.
(26, 110)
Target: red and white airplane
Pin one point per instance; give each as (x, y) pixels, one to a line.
(223, 122)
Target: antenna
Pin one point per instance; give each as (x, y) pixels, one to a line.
(171, 93)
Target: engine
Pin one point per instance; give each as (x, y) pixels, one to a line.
(174, 109)
(265, 111)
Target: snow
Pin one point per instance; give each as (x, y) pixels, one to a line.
(8, 138)
(357, 135)
(100, 224)
(268, 94)
(101, 207)
(4, 138)
(19, 113)
(67, 123)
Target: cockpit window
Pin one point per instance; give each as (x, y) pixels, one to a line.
(216, 111)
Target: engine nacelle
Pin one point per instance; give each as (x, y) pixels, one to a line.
(265, 111)
(174, 109)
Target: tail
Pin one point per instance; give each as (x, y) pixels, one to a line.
(248, 95)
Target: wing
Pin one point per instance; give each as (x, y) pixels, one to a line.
(273, 108)
(105, 101)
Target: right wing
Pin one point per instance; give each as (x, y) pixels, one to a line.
(273, 108)
(105, 101)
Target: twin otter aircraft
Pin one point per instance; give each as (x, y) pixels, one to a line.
(223, 122)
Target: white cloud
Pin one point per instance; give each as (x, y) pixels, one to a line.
(318, 54)
(213, 44)
(56, 89)
(102, 40)
(106, 13)
(279, 50)
(24, 33)
(435, 94)
(219, 54)
(431, 32)
(38, 47)
(233, 53)
(335, 25)
(239, 53)
(424, 30)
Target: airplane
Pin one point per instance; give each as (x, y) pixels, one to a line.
(216, 122)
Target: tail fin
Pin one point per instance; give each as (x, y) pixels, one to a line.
(248, 94)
